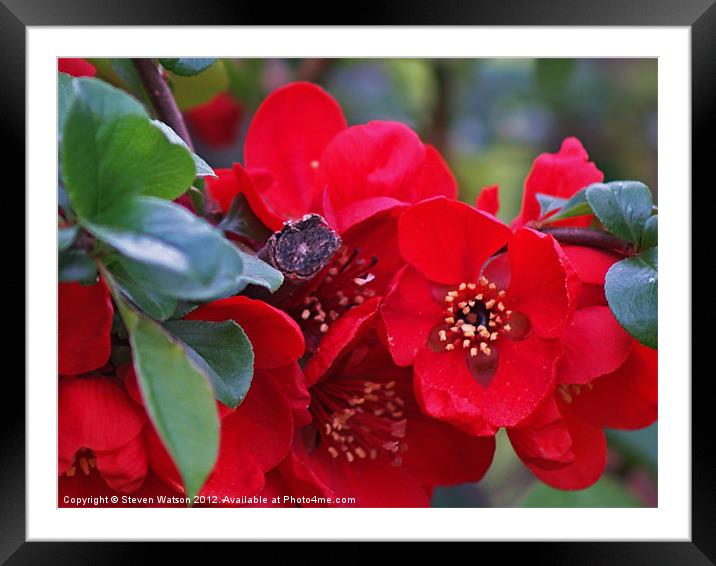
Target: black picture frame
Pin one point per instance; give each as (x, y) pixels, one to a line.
(699, 15)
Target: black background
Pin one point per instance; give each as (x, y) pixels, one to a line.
(16, 15)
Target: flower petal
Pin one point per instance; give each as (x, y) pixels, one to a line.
(124, 468)
(409, 314)
(440, 454)
(434, 178)
(373, 483)
(342, 334)
(287, 135)
(543, 439)
(378, 159)
(377, 237)
(625, 399)
(561, 175)
(446, 390)
(275, 337)
(263, 424)
(231, 182)
(449, 241)
(594, 344)
(254, 439)
(95, 413)
(294, 478)
(76, 67)
(489, 199)
(293, 383)
(360, 211)
(83, 327)
(590, 264)
(526, 375)
(543, 284)
(589, 446)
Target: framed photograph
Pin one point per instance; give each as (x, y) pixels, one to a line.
(395, 281)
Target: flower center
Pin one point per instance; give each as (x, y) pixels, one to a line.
(568, 392)
(357, 418)
(475, 318)
(341, 285)
(84, 460)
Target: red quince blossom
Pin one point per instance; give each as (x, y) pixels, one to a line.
(483, 337)
(489, 199)
(361, 270)
(558, 174)
(101, 447)
(83, 327)
(367, 437)
(216, 123)
(301, 157)
(76, 67)
(256, 436)
(606, 379)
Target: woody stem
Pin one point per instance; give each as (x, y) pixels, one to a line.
(590, 238)
(162, 98)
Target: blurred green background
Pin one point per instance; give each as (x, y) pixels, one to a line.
(490, 118)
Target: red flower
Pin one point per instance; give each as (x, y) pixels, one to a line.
(361, 270)
(76, 67)
(484, 339)
(216, 123)
(100, 437)
(367, 438)
(606, 380)
(561, 175)
(83, 327)
(300, 157)
(256, 436)
(489, 199)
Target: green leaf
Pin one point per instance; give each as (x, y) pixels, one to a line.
(223, 352)
(111, 151)
(623, 207)
(76, 265)
(605, 493)
(187, 67)
(631, 287)
(156, 305)
(242, 221)
(65, 236)
(202, 167)
(177, 396)
(171, 251)
(65, 96)
(258, 272)
(650, 236)
(193, 91)
(576, 205)
(183, 309)
(549, 203)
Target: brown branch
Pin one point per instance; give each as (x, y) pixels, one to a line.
(301, 248)
(162, 98)
(440, 118)
(590, 238)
